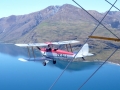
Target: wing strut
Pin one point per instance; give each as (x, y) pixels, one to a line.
(71, 47)
(28, 52)
(67, 47)
(33, 52)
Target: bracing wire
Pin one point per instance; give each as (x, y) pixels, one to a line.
(83, 44)
(96, 19)
(97, 69)
(113, 6)
(107, 58)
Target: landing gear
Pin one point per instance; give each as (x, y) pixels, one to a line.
(54, 61)
(44, 63)
(83, 58)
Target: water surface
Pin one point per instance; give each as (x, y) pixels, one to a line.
(17, 75)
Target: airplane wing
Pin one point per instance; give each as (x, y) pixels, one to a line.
(31, 44)
(47, 43)
(65, 42)
(34, 59)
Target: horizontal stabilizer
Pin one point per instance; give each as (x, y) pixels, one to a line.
(89, 54)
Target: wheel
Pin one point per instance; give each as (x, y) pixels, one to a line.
(44, 63)
(54, 61)
(83, 58)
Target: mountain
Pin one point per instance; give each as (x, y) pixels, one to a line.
(14, 27)
(55, 23)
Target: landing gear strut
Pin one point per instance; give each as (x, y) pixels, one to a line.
(54, 61)
(83, 58)
(44, 63)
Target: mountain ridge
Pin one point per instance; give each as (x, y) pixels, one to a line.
(13, 28)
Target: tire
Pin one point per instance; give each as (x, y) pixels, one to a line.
(54, 61)
(44, 63)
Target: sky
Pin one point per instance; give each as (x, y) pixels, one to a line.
(21, 7)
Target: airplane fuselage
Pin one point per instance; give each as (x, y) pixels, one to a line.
(57, 53)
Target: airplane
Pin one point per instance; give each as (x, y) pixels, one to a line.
(50, 53)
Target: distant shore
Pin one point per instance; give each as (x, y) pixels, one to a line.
(116, 62)
(109, 62)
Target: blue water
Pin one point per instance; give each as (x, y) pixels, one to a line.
(17, 75)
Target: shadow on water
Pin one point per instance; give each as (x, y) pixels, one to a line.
(75, 66)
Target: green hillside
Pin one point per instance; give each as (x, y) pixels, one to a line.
(62, 30)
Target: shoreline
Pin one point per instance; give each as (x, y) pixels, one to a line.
(114, 63)
(95, 61)
(109, 62)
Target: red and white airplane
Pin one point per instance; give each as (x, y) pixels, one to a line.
(50, 53)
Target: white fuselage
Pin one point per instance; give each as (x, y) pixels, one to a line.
(57, 55)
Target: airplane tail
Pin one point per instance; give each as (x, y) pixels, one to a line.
(84, 51)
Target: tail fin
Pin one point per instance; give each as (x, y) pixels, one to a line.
(84, 51)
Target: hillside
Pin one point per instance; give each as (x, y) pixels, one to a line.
(14, 27)
(67, 20)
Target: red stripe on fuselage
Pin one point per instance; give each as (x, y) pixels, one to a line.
(57, 51)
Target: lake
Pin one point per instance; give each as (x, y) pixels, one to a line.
(32, 75)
